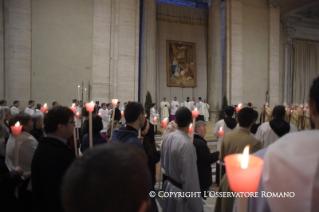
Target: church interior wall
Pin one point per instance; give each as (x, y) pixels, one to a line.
(255, 51)
(62, 34)
(195, 33)
(282, 64)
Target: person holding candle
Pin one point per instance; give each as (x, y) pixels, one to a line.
(175, 105)
(204, 157)
(5, 130)
(26, 145)
(291, 164)
(153, 114)
(30, 109)
(105, 114)
(271, 131)
(51, 159)
(232, 143)
(179, 162)
(165, 106)
(15, 107)
(227, 124)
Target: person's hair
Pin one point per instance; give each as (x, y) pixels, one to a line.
(132, 111)
(108, 104)
(199, 124)
(35, 119)
(183, 117)
(200, 98)
(245, 117)
(15, 102)
(117, 115)
(144, 126)
(314, 92)
(229, 111)
(256, 115)
(279, 112)
(121, 172)
(153, 104)
(97, 123)
(53, 103)
(2, 101)
(164, 98)
(187, 98)
(23, 118)
(102, 105)
(74, 100)
(84, 112)
(55, 116)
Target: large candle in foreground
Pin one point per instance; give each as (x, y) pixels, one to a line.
(44, 108)
(90, 108)
(114, 103)
(190, 129)
(220, 132)
(16, 129)
(155, 120)
(195, 113)
(243, 171)
(238, 108)
(73, 108)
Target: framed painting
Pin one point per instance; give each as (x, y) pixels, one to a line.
(180, 64)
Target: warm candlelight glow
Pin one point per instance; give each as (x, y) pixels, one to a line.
(220, 132)
(190, 129)
(45, 105)
(90, 106)
(122, 113)
(17, 124)
(195, 113)
(73, 108)
(221, 129)
(44, 108)
(114, 102)
(73, 105)
(77, 115)
(238, 108)
(16, 129)
(155, 120)
(245, 158)
(164, 123)
(239, 105)
(100, 114)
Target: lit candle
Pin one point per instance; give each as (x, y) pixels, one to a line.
(238, 108)
(77, 115)
(243, 171)
(44, 108)
(78, 92)
(220, 132)
(164, 123)
(73, 108)
(90, 106)
(100, 114)
(195, 113)
(16, 129)
(122, 113)
(155, 120)
(190, 129)
(114, 103)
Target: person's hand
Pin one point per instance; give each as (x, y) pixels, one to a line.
(141, 139)
(19, 169)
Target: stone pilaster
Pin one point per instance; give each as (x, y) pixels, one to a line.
(17, 27)
(149, 72)
(274, 42)
(2, 75)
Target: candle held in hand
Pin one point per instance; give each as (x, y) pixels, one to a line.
(90, 106)
(220, 132)
(16, 129)
(190, 129)
(44, 108)
(195, 113)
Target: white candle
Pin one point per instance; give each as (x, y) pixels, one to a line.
(78, 93)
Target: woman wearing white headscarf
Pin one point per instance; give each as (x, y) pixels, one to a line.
(5, 115)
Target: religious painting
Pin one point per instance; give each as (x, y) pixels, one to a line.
(180, 64)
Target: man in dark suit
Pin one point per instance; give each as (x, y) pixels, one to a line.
(51, 159)
(204, 158)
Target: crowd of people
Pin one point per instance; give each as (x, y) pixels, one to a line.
(40, 171)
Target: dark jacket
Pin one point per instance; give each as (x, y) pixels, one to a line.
(36, 133)
(153, 156)
(97, 139)
(126, 134)
(204, 161)
(50, 161)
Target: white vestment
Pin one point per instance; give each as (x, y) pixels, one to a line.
(175, 105)
(38, 113)
(179, 162)
(267, 136)
(164, 109)
(189, 105)
(201, 108)
(206, 114)
(14, 110)
(105, 114)
(153, 115)
(291, 164)
(221, 123)
(29, 110)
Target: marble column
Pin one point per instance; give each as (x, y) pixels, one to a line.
(289, 32)
(234, 39)
(149, 79)
(214, 70)
(101, 50)
(274, 35)
(2, 76)
(17, 39)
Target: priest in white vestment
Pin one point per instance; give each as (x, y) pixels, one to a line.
(206, 107)
(30, 109)
(271, 131)
(201, 108)
(165, 106)
(179, 162)
(174, 107)
(105, 115)
(15, 107)
(189, 104)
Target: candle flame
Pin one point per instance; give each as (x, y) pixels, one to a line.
(45, 105)
(73, 105)
(17, 124)
(190, 126)
(92, 102)
(155, 118)
(239, 105)
(165, 119)
(245, 158)
(195, 109)
(100, 114)
(77, 113)
(78, 86)
(85, 89)
(221, 129)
